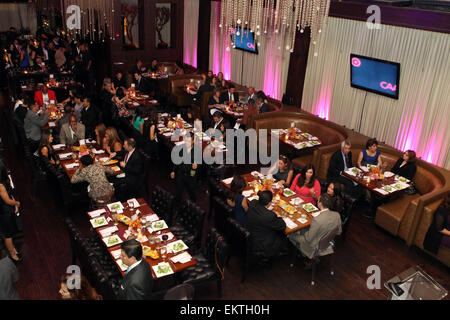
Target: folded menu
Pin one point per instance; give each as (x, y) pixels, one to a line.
(72, 165)
(227, 181)
(381, 191)
(289, 223)
(134, 201)
(108, 231)
(388, 174)
(96, 213)
(247, 193)
(181, 258)
(116, 253)
(65, 155)
(150, 218)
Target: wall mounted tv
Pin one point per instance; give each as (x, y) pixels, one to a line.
(375, 75)
(244, 40)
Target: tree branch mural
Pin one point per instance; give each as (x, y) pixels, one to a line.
(162, 17)
(129, 13)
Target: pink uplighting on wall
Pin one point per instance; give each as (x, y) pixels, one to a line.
(271, 74)
(191, 60)
(221, 57)
(322, 108)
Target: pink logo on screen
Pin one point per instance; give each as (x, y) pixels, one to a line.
(356, 62)
(387, 86)
(251, 45)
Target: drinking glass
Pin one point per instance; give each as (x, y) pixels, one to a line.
(163, 251)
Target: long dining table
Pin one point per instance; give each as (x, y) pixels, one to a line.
(296, 213)
(150, 236)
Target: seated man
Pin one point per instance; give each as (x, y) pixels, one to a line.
(44, 96)
(142, 84)
(341, 161)
(230, 95)
(263, 107)
(72, 132)
(251, 94)
(307, 240)
(266, 228)
(219, 124)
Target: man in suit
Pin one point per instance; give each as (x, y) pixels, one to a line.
(34, 121)
(89, 118)
(251, 94)
(138, 67)
(263, 107)
(340, 161)
(266, 228)
(72, 132)
(137, 283)
(307, 240)
(133, 166)
(8, 276)
(230, 95)
(44, 96)
(142, 84)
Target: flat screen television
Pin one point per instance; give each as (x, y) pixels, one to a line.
(375, 75)
(244, 40)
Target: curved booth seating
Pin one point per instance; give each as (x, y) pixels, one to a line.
(179, 97)
(406, 216)
(330, 134)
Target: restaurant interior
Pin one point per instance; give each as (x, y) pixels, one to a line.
(224, 150)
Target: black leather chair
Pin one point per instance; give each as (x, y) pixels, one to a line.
(73, 195)
(162, 204)
(238, 238)
(183, 291)
(210, 262)
(222, 211)
(33, 163)
(145, 177)
(188, 226)
(346, 214)
(215, 188)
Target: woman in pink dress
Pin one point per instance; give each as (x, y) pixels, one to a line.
(306, 186)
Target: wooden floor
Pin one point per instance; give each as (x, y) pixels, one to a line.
(47, 253)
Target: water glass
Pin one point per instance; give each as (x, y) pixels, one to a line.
(163, 251)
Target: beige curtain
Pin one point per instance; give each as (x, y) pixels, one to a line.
(190, 32)
(18, 15)
(418, 120)
(266, 70)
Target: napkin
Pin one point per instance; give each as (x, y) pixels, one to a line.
(247, 193)
(65, 155)
(167, 134)
(104, 159)
(116, 253)
(150, 218)
(98, 151)
(181, 258)
(381, 191)
(108, 231)
(302, 220)
(296, 201)
(96, 213)
(72, 165)
(227, 181)
(160, 125)
(135, 104)
(253, 198)
(52, 124)
(135, 202)
(289, 223)
(365, 169)
(59, 146)
(122, 175)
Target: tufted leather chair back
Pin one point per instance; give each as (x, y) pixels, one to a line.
(216, 247)
(222, 211)
(184, 291)
(162, 204)
(191, 218)
(238, 238)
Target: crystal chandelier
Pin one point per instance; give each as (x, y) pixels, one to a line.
(266, 17)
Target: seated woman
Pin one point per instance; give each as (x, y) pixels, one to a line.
(220, 81)
(284, 172)
(154, 66)
(120, 105)
(370, 155)
(46, 150)
(406, 165)
(95, 175)
(306, 186)
(237, 201)
(439, 232)
(100, 132)
(334, 196)
(138, 119)
(85, 292)
(112, 143)
(214, 99)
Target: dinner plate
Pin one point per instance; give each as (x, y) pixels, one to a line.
(309, 207)
(162, 269)
(112, 240)
(177, 246)
(159, 225)
(98, 222)
(113, 207)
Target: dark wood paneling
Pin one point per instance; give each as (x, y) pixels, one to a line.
(297, 67)
(438, 21)
(148, 49)
(204, 23)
